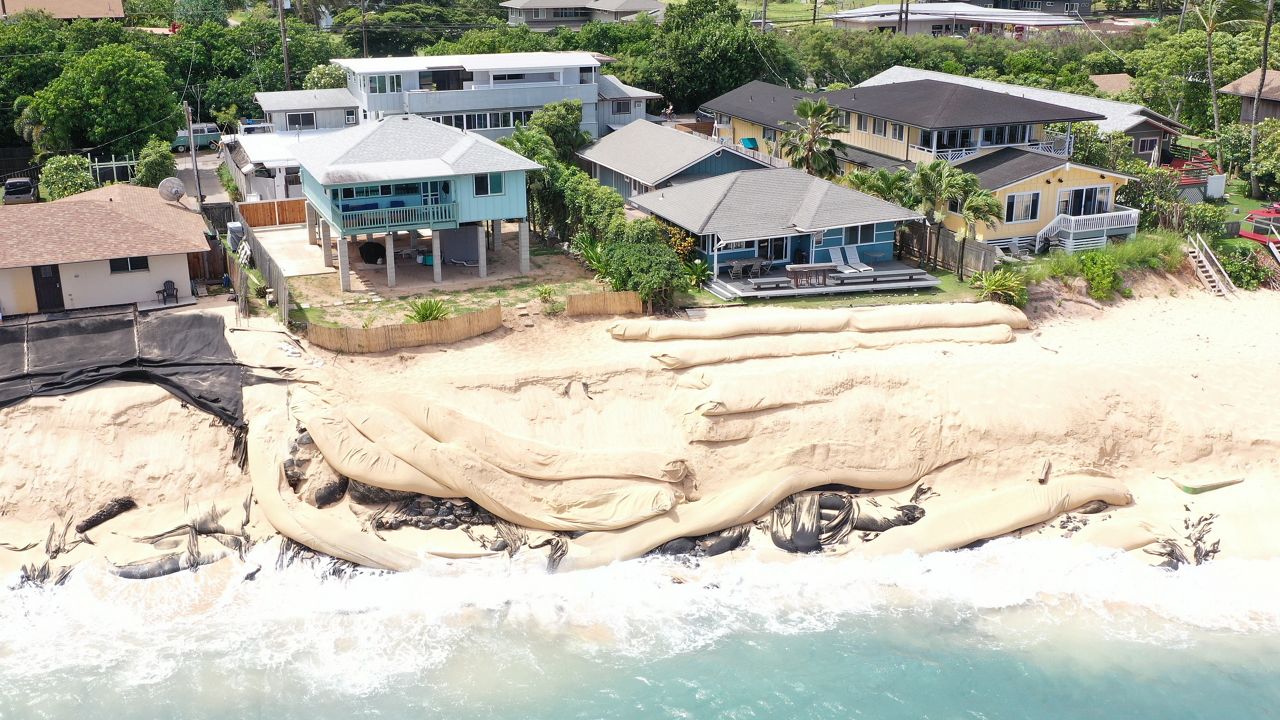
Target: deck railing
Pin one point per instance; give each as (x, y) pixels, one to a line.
(414, 216)
(1121, 217)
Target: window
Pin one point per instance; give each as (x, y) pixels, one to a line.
(722, 119)
(880, 127)
(1085, 201)
(570, 13)
(478, 121)
(365, 191)
(488, 184)
(862, 123)
(862, 235)
(379, 84)
(405, 189)
(351, 116)
(300, 121)
(770, 135)
(844, 119)
(1145, 145)
(1022, 207)
(1031, 5)
(832, 237)
(1071, 7)
(899, 131)
(129, 264)
(434, 192)
(508, 77)
(621, 107)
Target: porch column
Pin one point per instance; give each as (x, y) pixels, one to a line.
(344, 265)
(391, 259)
(311, 223)
(325, 243)
(437, 258)
(524, 247)
(483, 259)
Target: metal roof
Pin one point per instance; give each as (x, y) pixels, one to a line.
(1116, 116)
(286, 100)
(625, 5)
(755, 204)
(111, 222)
(611, 88)
(935, 105)
(652, 153)
(955, 11)
(403, 147)
(493, 61)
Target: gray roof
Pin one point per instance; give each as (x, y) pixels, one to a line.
(288, 100)
(1009, 165)
(625, 5)
(754, 204)
(652, 153)
(403, 147)
(934, 104)
(1116, 116)
(872, 160)
(761, 103)
(611, 88)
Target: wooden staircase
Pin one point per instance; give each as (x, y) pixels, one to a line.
(1208, 269)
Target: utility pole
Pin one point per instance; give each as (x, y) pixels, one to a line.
(195, 161)
(764, 17)
(815, 12)
(364, 30)
(284, 43)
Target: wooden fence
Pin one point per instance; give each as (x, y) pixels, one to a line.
(392, 337)
(604, 303)
(914, 242)
(274, 212)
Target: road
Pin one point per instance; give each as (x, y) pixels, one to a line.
(208, 161)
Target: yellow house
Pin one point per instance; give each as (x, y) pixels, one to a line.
(1047, 202)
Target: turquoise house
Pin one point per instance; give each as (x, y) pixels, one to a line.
(643, 156)
(767, 220)
(405, 173)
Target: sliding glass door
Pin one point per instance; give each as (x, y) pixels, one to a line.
(1085, 201)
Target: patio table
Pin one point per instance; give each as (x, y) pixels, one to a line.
(809, 274)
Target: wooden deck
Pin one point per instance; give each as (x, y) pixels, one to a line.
(884, 277)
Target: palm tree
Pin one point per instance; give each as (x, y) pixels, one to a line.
(892, 186)
(934, 184)
(1255, 188)
(974, 205)
(809, 144)
(537, 146)
(1217, 15)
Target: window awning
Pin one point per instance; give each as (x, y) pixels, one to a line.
(750, 144)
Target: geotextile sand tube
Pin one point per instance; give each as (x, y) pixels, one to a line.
(987, 516)
(532, 458)
(877, 319)
(711, 352)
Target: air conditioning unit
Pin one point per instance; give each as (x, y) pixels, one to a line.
(235, 233)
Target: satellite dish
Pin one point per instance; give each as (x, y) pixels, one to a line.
(171, 189)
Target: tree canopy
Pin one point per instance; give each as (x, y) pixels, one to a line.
(65, 175)
(324, 77)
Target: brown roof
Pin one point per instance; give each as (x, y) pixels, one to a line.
(111, 222)
(66, 9)
(1113, 83)
(1248, 85)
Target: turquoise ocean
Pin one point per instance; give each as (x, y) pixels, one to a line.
(1009, 630)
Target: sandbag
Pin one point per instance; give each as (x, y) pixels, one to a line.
(795, 469)
(987, 516)
(715, 352)
(347, 451)
(575, 504)
(877, 319)
(533, 458)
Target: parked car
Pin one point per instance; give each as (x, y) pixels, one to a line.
(19, 190)
(205, 134)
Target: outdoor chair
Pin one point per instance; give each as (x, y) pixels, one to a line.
(753, 270)
(168, 292)
(766, 267)
(837, 257)
(735, 272)
(855, 262)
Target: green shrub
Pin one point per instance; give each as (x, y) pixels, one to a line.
(1204, 218)
(260, 291)
(546, 293)
(228, 182)
(696, 272)
(591, 251)
(426, 310)
(1239, 257)
(553, 308)
(1149, 251)
(1004, 286)
(652, 270)
(1102, 272)
(155, 163)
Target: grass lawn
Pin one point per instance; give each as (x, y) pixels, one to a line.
(1240, 204)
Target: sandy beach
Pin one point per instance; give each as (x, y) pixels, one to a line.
(1135, 405)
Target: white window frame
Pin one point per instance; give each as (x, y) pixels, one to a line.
(899, 131)
(880, 127)
(862, 122)
(1111, 197)
(300, 125)
(129, 262)
(621, 107)
(350, 117)
(488, 182)
(1010, 215)
(1031, 5)
(1138, 143)
(770, 135)
(1071, 7)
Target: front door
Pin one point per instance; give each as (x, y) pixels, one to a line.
(48, 288)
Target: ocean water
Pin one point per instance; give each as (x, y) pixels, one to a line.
(1010, 630)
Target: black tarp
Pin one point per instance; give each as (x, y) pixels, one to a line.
(185, 353)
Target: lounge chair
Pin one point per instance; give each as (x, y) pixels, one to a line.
(842, 266)
(855, 262)
(167, 293)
